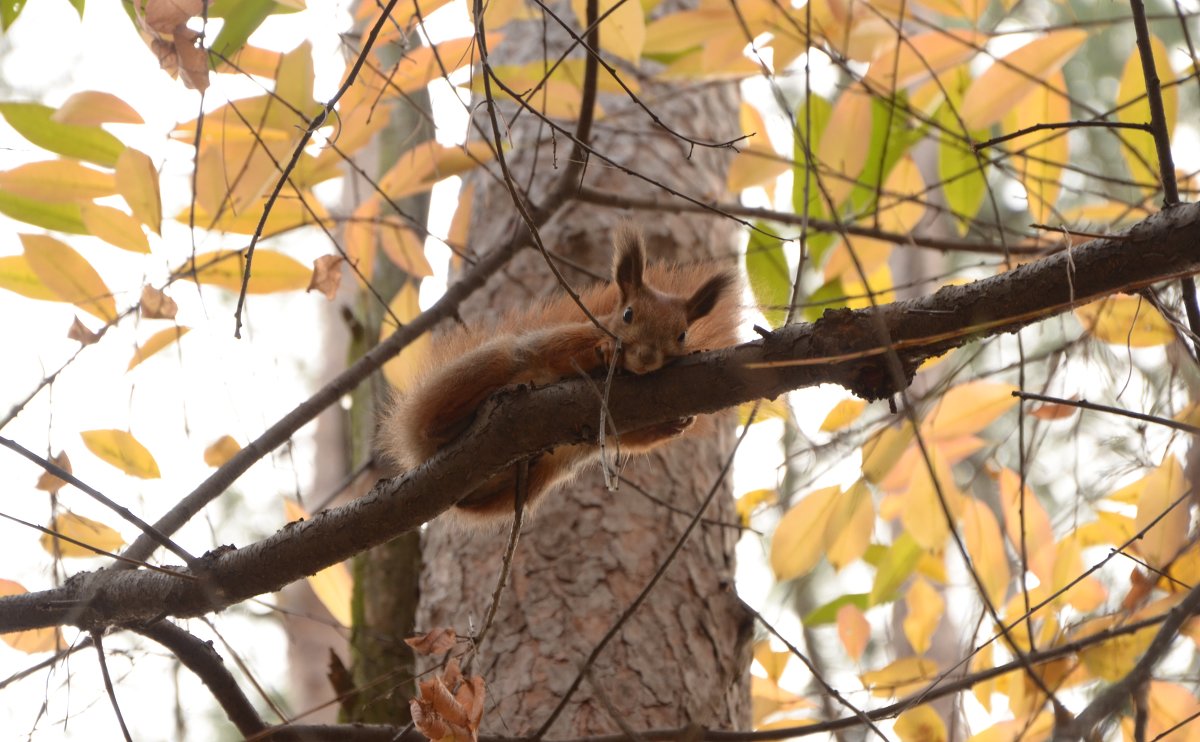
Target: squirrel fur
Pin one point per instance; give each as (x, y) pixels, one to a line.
(659, 312)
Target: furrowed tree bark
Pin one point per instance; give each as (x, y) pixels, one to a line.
(586, 553)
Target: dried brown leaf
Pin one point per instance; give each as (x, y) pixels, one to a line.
(157, 305)
(80, 332)
(327, 275)
(47, 481)
(438, 641)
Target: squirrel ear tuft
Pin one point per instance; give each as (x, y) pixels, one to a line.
(629, 259)
(701, 303)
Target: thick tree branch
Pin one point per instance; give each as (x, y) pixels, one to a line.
(841, 348)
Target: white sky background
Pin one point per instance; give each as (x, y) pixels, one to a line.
(223, 386)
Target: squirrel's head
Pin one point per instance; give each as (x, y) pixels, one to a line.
(653, 325)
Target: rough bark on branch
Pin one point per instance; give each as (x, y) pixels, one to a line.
(842, 348)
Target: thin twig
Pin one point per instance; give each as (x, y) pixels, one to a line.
(98, 642)
(1085, 405)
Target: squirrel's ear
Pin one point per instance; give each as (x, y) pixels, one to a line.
(629, 260)
(706, 297)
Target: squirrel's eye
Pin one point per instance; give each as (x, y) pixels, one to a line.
(628, 315)
(682, 335)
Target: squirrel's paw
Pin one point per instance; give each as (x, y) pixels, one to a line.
(606, 349)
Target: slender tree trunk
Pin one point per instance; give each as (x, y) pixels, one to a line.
(586, 553)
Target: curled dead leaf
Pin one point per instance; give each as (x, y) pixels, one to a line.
(157, 305)
(327, 275)
(437, 641)
(47, 481)
(80, 332)
(449, 706)
(178, 48)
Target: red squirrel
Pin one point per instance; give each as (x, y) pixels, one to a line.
(659, 313)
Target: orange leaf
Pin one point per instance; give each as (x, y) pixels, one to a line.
(58, 181)
(69, 275)
(1005, 84)
(1164, 503)
(137, 182)
(841, 149)
(223, 449)
(34, 640)
(986, 547)
(92, 107)
(853, 629)
(114, 227)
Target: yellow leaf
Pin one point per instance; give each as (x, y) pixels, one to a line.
(1125, 320)
(869, 252)
(880, 281)
(922, 56)
(123, 451)
(252, 60)
(968, 10)
(923, 515)
(767, 698)
(92, 108)
(969, 408)
(400, 370)
(986, 548)
(901, 204)
(271, 272)
(404, 248)
(622, 32)
(114, 227)
(842, 414)
(427, 163)
(764, 409)
(925, 609)
(1008, 81)
(1018, 730)
(841, 149)
(751, 501)
(850, 528)
(1138, 146)
(1113, 659)
(69, 275)
(920, 724)
(34, 640)
(17, 276)
(155, 343)
(333, 585)
(853, 630)
(294, 82)
(1172, 707)
(984, 659)
(1018, 505)
(222, 450)
(952, 450)
(137, 182)
(1087, 594)
(1041, 155)
(882, 451)
(50, 483)
(1164, 503)
(755, 166)
(772, 662)
(84, 530)
(801, 536)
(900, 678)
(58, 181)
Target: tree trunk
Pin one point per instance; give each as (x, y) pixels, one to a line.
(586, 553)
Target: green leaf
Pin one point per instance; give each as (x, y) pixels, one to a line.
(242, 18)
(963, 184)
(61, 217)
(831, 295)
(78, 6)
(814, 115)
(9, 10)
(895, 568)
(90, 143)
(891, 138)
(827, 613)
(770, 279)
